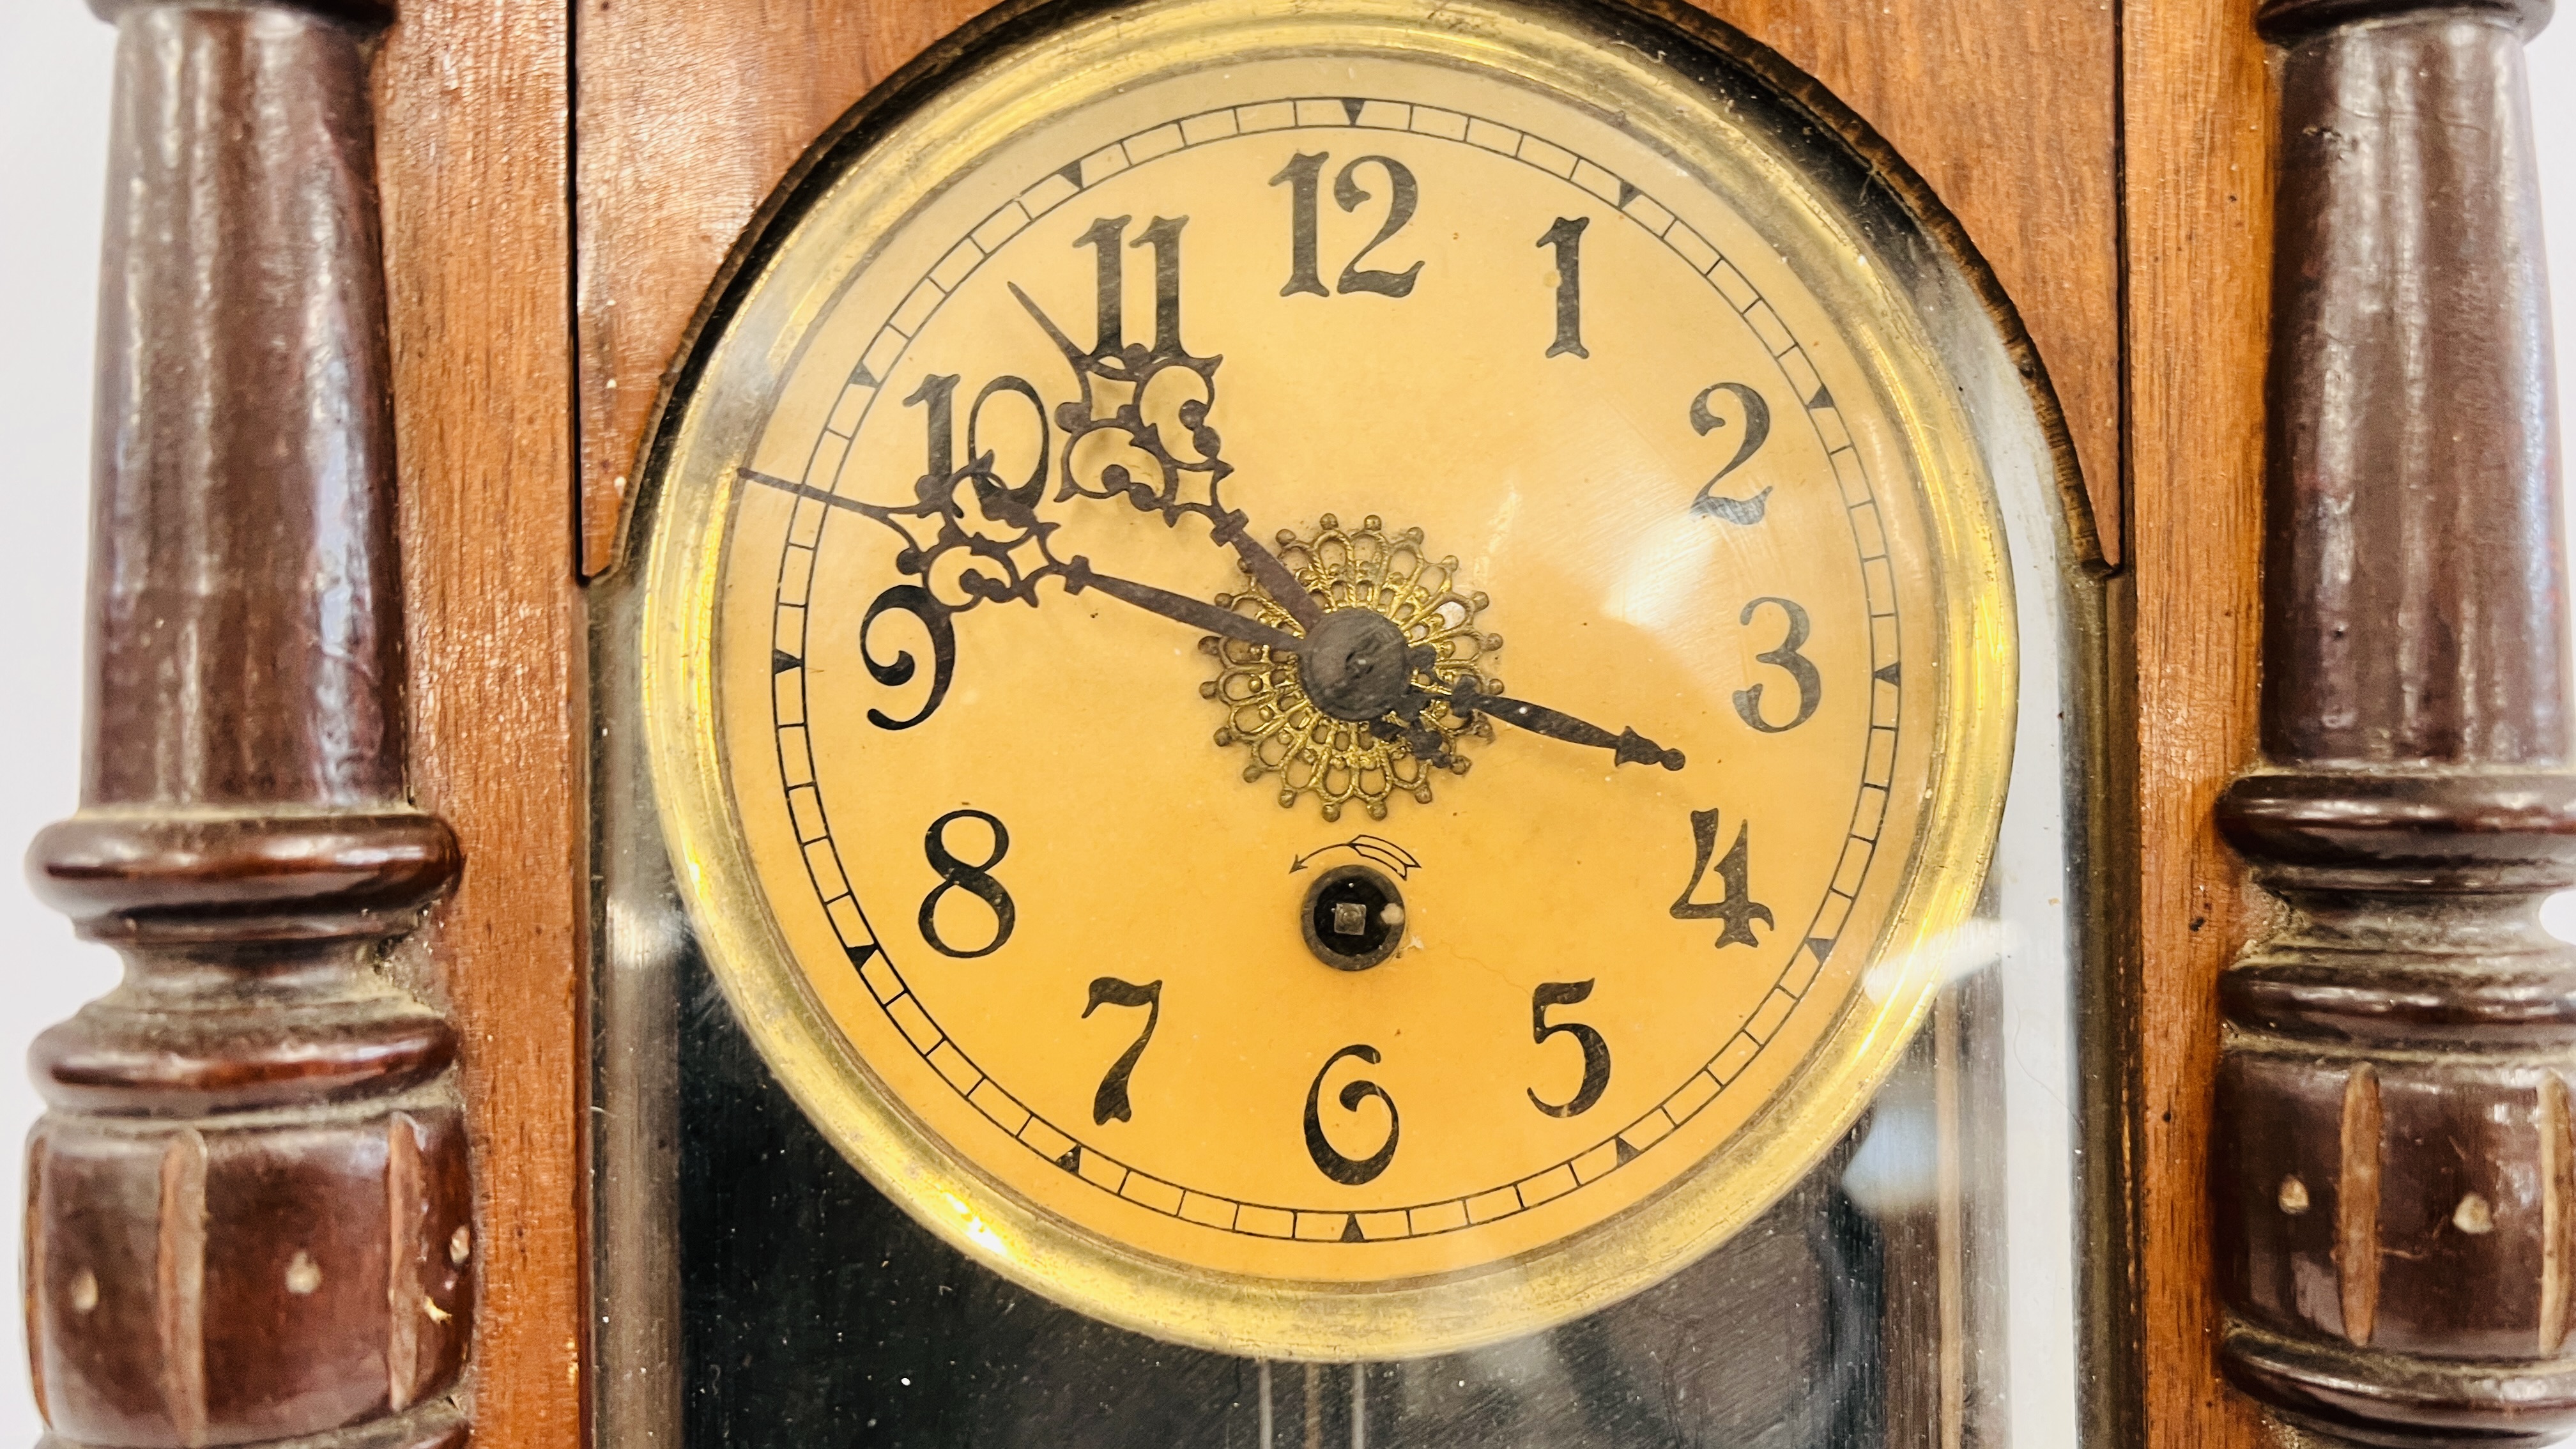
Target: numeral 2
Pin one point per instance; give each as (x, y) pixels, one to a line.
(1738, 908)
(1303, 176)
(1111, 1100)
(1756, 430)
(976, 879)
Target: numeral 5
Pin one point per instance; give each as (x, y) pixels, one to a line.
(1596, 1050)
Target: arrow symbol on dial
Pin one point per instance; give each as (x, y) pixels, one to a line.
(1373, 847)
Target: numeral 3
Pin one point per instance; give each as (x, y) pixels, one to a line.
(1801, 670)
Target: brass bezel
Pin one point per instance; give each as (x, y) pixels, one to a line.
(705, 441)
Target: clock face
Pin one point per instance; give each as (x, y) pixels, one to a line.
(1326, 684)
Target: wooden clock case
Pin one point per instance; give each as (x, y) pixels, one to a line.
(405, 286)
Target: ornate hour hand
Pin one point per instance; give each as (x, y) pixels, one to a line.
(1102, 408)
(1467, 696)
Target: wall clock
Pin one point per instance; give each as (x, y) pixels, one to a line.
(1287, 705)
(1327, 685)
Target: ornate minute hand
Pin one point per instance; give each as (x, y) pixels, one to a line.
(1079, 575)
(1467, 696)
(1270, 571)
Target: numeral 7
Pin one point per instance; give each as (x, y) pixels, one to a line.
(1111, 1100)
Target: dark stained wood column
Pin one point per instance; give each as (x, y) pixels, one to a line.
(2395, 1173)
(249, 1216)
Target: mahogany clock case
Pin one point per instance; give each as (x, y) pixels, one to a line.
(1930, 1276)
(481, 229)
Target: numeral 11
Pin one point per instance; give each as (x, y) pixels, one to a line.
(1163, 234)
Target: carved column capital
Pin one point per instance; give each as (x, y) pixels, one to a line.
(365, 14)
(2284, 22)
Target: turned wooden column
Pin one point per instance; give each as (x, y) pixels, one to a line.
(248, 1211)
(2394, 1173)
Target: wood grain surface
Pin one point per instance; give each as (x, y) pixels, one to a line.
(2008, 109)
(762, 81)
(2196, 145)
(2006, 106)
(472, 159)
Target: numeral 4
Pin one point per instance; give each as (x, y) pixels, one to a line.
(1737, 908)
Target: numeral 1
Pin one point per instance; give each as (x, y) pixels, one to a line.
(938, 393)
(1303, 176)
(1567, 237)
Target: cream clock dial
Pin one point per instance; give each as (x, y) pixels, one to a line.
(1325, 683)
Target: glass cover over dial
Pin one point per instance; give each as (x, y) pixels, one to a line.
(1325, 684)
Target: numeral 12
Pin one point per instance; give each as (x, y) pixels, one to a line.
(1303, 176)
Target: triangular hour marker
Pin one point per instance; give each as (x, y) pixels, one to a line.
(780, 661)
(1627, 1154)
(1072, 1160)
(1823, 948)
(1071, 171)
(860, 955)
(1887, 675)
(1351, 108)
(861, 377)
(1351, 1225)
(1627, 192)
(1824, 398)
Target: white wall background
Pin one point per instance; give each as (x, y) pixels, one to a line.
(54, 61)
(54, 76)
